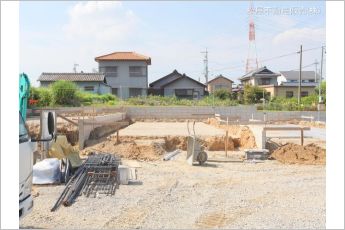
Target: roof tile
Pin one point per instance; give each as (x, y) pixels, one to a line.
(124, 56)
(72, 77)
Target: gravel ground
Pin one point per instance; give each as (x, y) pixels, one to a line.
(175, 195)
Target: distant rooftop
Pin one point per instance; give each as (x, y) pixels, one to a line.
(220, 76)
(294, 75)
(72, 77)
(260, 72)
(124, 56)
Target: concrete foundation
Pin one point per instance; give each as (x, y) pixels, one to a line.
(87, 125)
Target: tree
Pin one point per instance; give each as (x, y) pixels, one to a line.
(64, 93)
(323, 88)
(252, 94)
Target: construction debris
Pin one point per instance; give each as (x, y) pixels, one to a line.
(170, 155)
(98, 174)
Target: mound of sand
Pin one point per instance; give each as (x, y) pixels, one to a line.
(242, 136)
(151, 150)
(297, 154)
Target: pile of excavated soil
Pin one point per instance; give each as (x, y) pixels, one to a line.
(242, 136)
(297, 154)
(247, 139)
(218, 143)
(129, 149)
(152, 148)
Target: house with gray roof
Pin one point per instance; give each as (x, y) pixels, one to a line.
(292, 78)
(179, 85)
(90, 82)
(281, 84)
(259, 77)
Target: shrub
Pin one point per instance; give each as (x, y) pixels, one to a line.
(64, 93)
(252, 94)
(222, 94)
(323, 88)
(42, 94)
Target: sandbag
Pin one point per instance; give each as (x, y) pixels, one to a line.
(46, 171)
(62, 149)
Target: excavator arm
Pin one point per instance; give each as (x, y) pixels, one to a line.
(24, 93)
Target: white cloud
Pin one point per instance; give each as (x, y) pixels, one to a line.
(300, 35)
(102, 21)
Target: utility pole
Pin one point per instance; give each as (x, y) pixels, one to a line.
(322, 51)
(75, 67)
(300, 76)
(316, 63)
(206, 65)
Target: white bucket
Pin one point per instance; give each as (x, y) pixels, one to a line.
(124, 174)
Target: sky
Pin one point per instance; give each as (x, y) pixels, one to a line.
(56, 35)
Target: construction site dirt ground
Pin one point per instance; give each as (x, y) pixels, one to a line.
(175, 195)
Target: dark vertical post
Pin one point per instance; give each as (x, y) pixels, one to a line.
(300, 76)
(321, 75)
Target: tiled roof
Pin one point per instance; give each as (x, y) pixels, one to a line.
(72, 77)
(166, 79)
(260, 71)
(170, 78)
(124, 56)
(294, 75)
(220, 76)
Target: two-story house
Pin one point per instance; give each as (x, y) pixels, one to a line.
(125, 72)
(283, 84)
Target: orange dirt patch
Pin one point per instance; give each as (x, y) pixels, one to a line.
(129, 149)
(242, 136)
(297, 154)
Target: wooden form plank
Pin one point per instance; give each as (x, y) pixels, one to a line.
(66, 119)
(283, 128)
(106, 123)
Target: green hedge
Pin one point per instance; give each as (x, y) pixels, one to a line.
(64, 93)
(308, 103)
(42, 95)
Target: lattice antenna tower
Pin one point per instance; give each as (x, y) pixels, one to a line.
(252, 60)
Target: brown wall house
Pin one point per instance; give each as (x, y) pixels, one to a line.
(219, 82)
(288, 91)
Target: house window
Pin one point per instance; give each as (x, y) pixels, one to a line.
(265, 81)
(110, 71)
(134, 92)
(304, 93)
(137, 71)
(184, 93)
(114, 91)
(89, 88)
(289, 94)
(220, 87)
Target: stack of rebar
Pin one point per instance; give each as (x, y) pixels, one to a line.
(99, 174)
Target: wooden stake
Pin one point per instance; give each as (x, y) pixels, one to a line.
(302, 137)
(226, 143)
